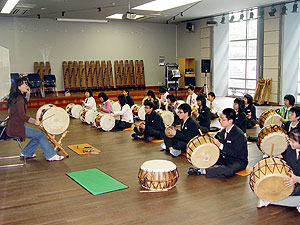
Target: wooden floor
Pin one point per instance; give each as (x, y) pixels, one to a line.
(41, 193)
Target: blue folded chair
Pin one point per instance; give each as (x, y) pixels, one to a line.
(35, 83)
(50, 83)
(4, 137)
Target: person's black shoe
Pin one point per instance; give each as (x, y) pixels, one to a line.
(193, 171)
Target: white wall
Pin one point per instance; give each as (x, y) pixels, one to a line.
(30, 40)
(4, 72)
(290, 54)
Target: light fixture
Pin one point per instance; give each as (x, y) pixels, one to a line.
(242, 16)
(272, 11)
(99, 9)
(63, 13)
(9, 6)
(167, 22)
(38, 16)
(162, 5)
(119, 16)
(223, 19)
(173, 17)
(231, 19)
(181, 14)
(283, 10)
(295, 7)
(251, 16)
(80, 20)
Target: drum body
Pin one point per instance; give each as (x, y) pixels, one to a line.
(107, 122)
(69, 108)
(135, 109)
(202, 152)
(74, 110)
(267, 179)
(82, 115)
(55, 120)
(142, 113)
(272, 135)
(158, 175)
(90, 116)
(269, 117)
(116, 107)
(42, 110)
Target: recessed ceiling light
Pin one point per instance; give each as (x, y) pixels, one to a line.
(119, 16)
(43, 8)
(9, 6)
(162, 5)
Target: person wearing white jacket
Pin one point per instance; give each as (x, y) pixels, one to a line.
(89, 101)
(125, 113)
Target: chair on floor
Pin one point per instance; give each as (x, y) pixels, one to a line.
(4, 137)
(50, 83)
(35, 83)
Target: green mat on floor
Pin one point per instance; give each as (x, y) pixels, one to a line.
(96, 182)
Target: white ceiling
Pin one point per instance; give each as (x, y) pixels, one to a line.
(87, 9)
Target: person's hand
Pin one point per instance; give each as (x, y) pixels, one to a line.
(281, 119)
(195, 113)
(249, 115)
(37, 122)
(28, 89)
(217, 142)
(292, 180)
(142, 136)
(142, 125)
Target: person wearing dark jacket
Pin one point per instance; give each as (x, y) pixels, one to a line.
(203, 114)
(250, 111)
(292, 157)
(178, 139)
(129, 99)
(233, 149)
(153, 126)
(241, 119)
(17, 104)
(294, 117)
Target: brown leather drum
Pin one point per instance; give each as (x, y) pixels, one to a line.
(267, 179)
(202, 152)
(158, 175)
(269, 117)
(272, 135)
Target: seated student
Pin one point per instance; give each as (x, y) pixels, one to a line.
(289, 102)
(294, 117)
(129, 99)
(125, 113)
(172, 107)
(239, 107)
(213, 105)
(163, 97)
(189, 129)
(153, 126)
(191, 98)
(203, 114)
(291, 157)
(152, 98)
(250, 111)
(233, 149)
(105, 104)
(89, 101)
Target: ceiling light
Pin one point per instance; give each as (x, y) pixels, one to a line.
(9, 6)
(99, 9)
(181, 14)
(231, 19)
(119, 16)
(80, 20)
(162, 5)
(283, 10)
(295, 7)
(63, 13)
(272, 11)
(38, 16)
(173, 17)
(223, 20)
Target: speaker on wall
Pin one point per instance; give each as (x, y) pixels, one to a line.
(205, 66)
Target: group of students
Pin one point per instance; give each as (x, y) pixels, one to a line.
(231, 140)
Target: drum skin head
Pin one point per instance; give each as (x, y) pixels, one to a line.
(58, 122)
(90, 116)
(158, 166)
(205, 155)
(41, 109)
(107, 122)
(142, 113)
(167, 117)
(276, 138)
(76, 110)
(273, 119)
(272, 188)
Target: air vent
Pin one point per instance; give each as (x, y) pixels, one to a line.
(22, 9)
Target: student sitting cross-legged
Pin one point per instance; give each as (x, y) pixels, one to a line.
(153, 128)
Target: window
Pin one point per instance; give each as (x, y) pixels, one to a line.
(242, 54)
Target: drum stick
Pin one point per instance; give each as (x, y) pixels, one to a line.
(272, 149)
(200, 132)
(47, 118)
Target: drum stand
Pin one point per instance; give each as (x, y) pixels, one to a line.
(57, 144)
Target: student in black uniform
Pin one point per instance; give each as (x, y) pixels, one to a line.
(292, 157)
(203, 114)
(233, 149)
(250, 111)
(189, 129)
(172, 107)
(129, 99)
(239, 107)
(153, 126)
(294, 117)
(152, 98)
